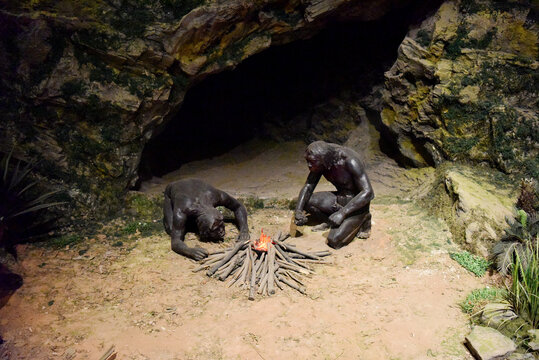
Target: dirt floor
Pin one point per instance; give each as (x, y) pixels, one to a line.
(393, 296)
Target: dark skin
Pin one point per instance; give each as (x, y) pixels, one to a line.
(347, 209)
(193, 199)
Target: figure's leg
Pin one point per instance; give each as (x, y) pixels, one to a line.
(167, 214)
(320, 206)
(365, 230)
(344, 234)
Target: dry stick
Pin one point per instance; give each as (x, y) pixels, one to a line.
(279, 255)
(259, 261)
(282, 236)
(222, 251)
(264, 280)
(292, 266)
(292, 285)
(211, 259)
(227, 257)
(271, 270)
(288, 258)
(293, 277)
(241, 274)
(322, 253)
(248, 267)
(261, 266)
(223, 274)
(262, 284)
(207, 263)
(109, 355)
(252, 285)
(311, 261)
(294, 250)
(236, 260)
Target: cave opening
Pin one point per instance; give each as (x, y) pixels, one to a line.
(273, 94)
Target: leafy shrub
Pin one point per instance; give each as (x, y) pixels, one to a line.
(479, 297)
(20, 204)
(473, 263)
(144, 228)
(524, 292)
(521, 236)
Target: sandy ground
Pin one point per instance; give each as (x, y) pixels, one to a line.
(393, 296)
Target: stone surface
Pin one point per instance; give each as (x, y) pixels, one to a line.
(496, 314)
(86, 84)
(461, 85)
(519, 356)
(534, 339)
(488, 344)
(474, 202)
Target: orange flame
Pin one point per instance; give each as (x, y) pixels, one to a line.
(263, 243)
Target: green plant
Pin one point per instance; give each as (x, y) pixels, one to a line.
(144, 228)
(473, 263)
(516, 240)
(479, 297)
(423, 38)
(524, 292)
(20, 203)
(253, 203)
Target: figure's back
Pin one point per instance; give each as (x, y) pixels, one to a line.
(187, 191)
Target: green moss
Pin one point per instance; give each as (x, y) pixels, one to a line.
(423, 38)
(63, 241)
(145, 207)
(72, 88)
(95, 38)
(454, 49)
(485, 41)
(471, 6)
(459, 147)
(144, 228)
(179, 8)
(58, 43)
(252, 203)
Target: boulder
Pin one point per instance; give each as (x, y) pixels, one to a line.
(489, 344)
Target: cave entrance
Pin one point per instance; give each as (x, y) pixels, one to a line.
(274, 94)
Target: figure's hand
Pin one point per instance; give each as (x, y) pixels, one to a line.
(197, 253)
(336, 219)
(244, 235)
(300, 218)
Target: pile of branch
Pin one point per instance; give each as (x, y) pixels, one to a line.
(260, 271)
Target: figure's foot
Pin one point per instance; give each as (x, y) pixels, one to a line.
(320, 227)
(363, 234)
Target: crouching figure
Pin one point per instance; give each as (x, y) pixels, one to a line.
(190, 207)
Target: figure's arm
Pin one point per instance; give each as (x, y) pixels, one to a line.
(365, 195)
(240, 214)
(305, 195)
(178, 236)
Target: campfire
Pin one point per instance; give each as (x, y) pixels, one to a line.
(262, 265)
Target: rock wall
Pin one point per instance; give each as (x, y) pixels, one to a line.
(84, 84)
(464, 87)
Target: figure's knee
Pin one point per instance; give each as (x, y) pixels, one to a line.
(335, 240)
(324, 202)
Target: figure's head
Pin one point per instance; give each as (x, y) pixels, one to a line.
(211, 225)
(318, 156)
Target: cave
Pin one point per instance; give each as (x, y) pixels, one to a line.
(272, 89)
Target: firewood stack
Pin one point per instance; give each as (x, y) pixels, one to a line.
(262, 265)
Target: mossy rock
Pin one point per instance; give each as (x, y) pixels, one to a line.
(474, 201)
(143, 206)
